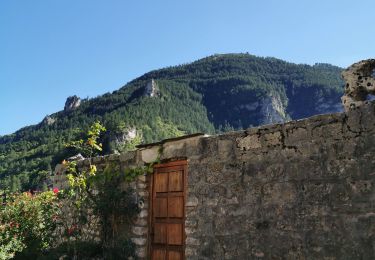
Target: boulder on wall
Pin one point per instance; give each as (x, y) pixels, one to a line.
(359, 83)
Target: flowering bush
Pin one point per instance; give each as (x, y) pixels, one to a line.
(54, 224)
(27, 224)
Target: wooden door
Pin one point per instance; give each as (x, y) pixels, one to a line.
(167, 237)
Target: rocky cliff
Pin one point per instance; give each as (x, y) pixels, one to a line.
(72, 102)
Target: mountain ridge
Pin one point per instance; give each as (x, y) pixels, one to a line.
(214, 94)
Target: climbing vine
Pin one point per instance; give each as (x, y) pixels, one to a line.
(101, 198)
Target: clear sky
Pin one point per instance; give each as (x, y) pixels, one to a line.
(51, 49)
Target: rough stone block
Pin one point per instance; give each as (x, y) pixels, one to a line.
(128, 156)
(139, 231)
(141, 252)
(190, 251)
(143, 213)
(113, 157)
(279, 193)
(296, 135)
(141, 185)
(190, 241)
(192, 147)
(150, 155)
(141, 222)
(173, 149)
(249, 142)
(189, 230)
(192, 201)
(272, 139)
(225, 147)
(139, 241)
(142, 178)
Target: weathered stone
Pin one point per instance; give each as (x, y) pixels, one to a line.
(191, 223)
(272, 139)
(190, 251)
(150, 155)
(141, 185)
(141, 252)
(308, 183)
(128, 156)
(143, 213)
(249, 142)
(329, 131)
(225, 147)
(142, 178)
(360, 82)
(143, 194)
(192, 202)
(192, 241)
(295, 135)
(211, 202)
(279, 193)
(139, 231)
(173, 149)
(113, 157)
(139, 241)
(98, 160)
(191, 147)
(141, 222)
(190, 231)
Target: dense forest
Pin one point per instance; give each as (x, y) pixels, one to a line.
(212, 95)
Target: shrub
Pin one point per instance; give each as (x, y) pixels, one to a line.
(27, 224)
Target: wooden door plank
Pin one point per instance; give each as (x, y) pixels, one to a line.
(174, 255)
(159, 254)
(175, 234)
(161, 182)
(176, 181)
(160, 233)
(160, 207)
(167, 211)
(176, 207)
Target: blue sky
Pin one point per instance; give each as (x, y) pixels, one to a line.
(52, 49)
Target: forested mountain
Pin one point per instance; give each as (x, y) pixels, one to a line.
(211, 95)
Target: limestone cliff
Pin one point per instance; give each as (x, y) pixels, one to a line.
(72, 103)
(151, 89)
(120, 140)
(272, 110)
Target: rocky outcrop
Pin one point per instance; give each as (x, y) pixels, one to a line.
(151, 89)
(272, 110)
(117, 141)
(72, 103)
(360, 82)
(49, 120)
(77, 157)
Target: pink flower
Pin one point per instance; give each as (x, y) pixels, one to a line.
(55, 190)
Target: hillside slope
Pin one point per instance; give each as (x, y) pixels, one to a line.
(211, 95)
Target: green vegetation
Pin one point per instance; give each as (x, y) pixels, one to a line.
(214, 94)
(27, 224)
(55, 224)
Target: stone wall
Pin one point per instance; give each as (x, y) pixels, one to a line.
(300, 190)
